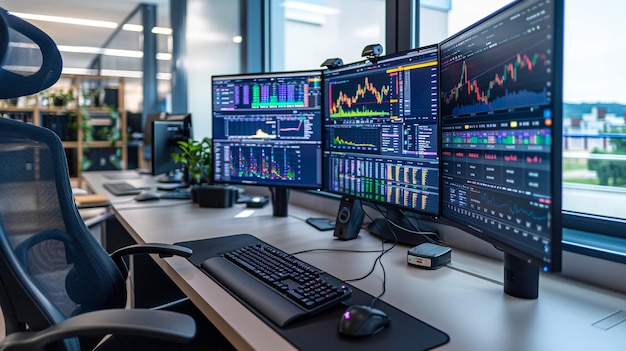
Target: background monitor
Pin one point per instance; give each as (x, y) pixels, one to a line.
(267, 130)
(501, 82)
(147, 134)
(165, 136)
(381, 139)
(186, 119)
(134, 126)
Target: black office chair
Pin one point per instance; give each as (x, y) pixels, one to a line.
(59, 289)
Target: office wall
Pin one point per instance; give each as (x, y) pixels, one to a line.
(305, 37)
(433, 26)
(211, 26)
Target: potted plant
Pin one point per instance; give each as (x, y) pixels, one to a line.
(61, 97)
(195, 156)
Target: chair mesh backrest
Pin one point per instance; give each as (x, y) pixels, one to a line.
(62, 268)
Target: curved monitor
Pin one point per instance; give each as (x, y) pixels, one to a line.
(381, 129)
(267, 129)
(501, 82)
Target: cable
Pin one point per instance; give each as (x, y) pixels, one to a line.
(418, 230)
(379, 259)
(404, 230)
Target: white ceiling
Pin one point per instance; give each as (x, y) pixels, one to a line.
(76, 35)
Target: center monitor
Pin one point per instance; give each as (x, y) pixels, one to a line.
(501, 136)
(267, 129)
(382, 135)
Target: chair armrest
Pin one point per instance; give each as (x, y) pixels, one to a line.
(164, 325)
(164, 250)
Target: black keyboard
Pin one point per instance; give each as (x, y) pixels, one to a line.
(123, 188)
(278, 285)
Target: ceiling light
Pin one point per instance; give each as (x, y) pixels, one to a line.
(100, 51)
(80, 71)
(67, 20)
(113, 73)
(164, 56)
(92, 23)
(110, 52)
(237, 39)
(162, 30)
(138, 28)
(312, 8)
(121, 73)
(132, 27)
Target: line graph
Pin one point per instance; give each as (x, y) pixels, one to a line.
(512, 211)
(291, 128)
(369, 97)
(503, 211)
(253, 127)
(357, 139)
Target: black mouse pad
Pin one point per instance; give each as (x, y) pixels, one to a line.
(319, 332)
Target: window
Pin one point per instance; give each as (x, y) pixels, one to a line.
(594, 109)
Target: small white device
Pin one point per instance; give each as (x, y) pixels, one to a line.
(429, 256)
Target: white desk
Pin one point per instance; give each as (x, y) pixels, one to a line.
(473, 311)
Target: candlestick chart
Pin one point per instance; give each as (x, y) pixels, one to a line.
(517, 81)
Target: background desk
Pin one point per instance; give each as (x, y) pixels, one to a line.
(472, 309)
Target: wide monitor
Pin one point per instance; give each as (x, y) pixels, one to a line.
(501, 82)
(381, 127)
(267, 130)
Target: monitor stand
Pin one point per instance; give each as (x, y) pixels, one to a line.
(382, 229)
(175, 176)
(280, 201)
(521, 279)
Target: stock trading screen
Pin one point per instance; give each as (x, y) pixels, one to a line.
(381, 130)
(498, 127)
(267, 129)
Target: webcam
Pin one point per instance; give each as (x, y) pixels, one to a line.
(372, 50)
(332, 62)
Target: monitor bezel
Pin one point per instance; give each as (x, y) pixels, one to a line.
(271, 184)
(555, 264)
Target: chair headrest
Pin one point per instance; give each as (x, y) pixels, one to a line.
(29, 59)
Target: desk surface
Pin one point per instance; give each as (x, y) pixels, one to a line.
(459, 300)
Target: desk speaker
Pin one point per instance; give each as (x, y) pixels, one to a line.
(216, 196)
(349, 219)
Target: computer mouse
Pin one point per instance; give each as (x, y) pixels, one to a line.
(147, 196)
(361, 320)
